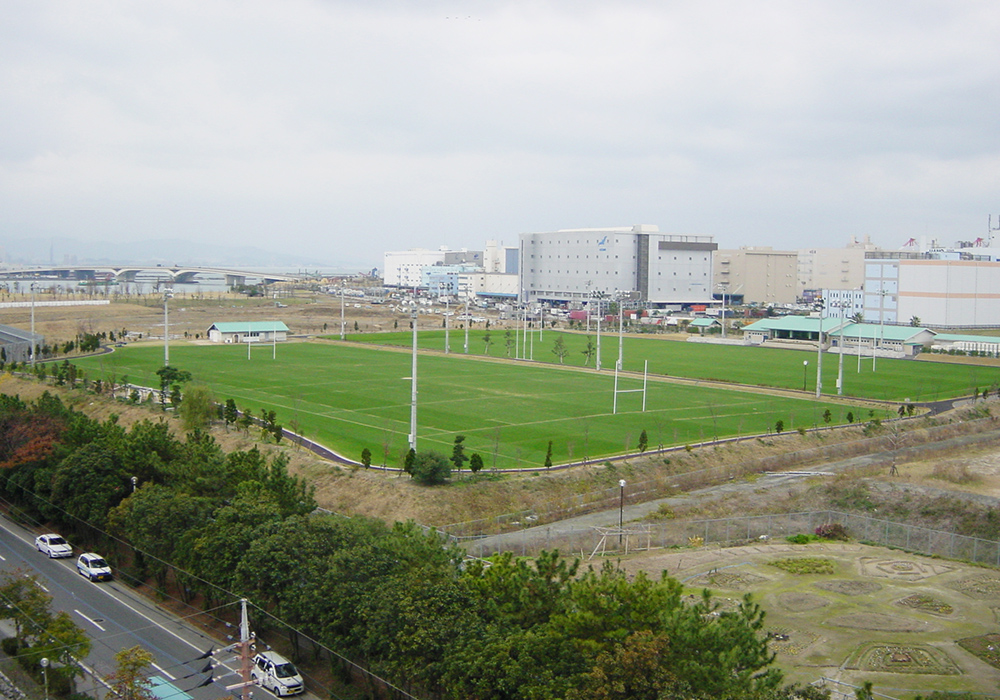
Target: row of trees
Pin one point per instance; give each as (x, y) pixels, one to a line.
(216, 526)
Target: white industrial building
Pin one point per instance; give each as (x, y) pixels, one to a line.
(943, 289)
(405, 268)
(843, 303)
(658, 269)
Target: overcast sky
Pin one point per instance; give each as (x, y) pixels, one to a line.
(348, 128)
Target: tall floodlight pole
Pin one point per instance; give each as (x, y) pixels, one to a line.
(413, 388)
(621, 328)
(467, 322)
(881, 325)
(447, 344)
(840, 352)
(167, 296)
(723, 311)
(343, 325)
(600, 306)
(819, 358)
(32, 354)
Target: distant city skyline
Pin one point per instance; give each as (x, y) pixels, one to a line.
(333, 131)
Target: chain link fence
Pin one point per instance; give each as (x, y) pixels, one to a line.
(585, 541)
(919, 443)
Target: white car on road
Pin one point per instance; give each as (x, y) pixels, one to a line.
(53, 545)
(276, 673)
(94, 567)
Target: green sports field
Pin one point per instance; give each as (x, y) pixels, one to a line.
(892, 380)
(350, 397)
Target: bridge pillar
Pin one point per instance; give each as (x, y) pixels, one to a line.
(234, 280)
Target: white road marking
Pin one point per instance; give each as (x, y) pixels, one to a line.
(164, 672)
(93, 622)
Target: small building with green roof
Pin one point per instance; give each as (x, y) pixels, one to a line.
(983, 344)
(901, 341)
(248, 332)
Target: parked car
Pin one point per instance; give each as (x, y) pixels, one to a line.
(53, 545)
(94, 567)
(274, 672)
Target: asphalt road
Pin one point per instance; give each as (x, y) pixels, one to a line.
(117, 618)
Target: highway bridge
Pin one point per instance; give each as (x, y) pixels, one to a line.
(128, 273)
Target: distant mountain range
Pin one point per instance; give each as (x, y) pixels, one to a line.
(68, 251)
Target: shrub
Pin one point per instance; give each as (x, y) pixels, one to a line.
(431, 468)
(802, 538)
(832, 531)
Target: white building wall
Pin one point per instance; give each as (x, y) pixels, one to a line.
(571, 265)
(843, 303)
(404, 268)
(950, 292)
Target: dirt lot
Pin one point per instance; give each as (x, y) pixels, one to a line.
(881, 615)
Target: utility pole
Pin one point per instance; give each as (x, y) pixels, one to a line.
(33, 327)
(244, 645)
(245, 638)
(167, 296)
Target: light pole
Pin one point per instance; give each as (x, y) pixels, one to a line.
(723, 288)
(343, 325)
(45, 675)
(167, 296)
(32, 353)
(621, 326)
(881, 325)
(805, 373)
(447, 345)
(819, 354)
(840, 350)
(621, 510)
(413, 387)
(467, 322)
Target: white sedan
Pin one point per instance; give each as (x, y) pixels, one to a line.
(53, 545)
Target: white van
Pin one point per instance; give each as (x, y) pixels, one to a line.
(274, 672)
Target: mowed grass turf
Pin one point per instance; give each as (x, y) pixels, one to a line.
(892, 380)
(350, 397)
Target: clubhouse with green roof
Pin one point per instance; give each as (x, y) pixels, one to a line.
(891, 341)
(248, 332)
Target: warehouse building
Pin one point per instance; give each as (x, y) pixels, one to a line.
(652, 268)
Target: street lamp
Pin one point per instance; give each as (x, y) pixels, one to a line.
(805, 372)
(167, 296)
(45, 674)
(621, 510)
